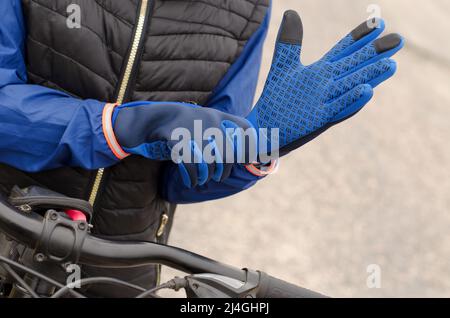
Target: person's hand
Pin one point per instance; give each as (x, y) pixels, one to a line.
(205, 143)
(303, 101)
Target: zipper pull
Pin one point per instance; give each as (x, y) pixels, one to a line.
(162, 225)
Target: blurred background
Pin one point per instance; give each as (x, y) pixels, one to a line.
(374, 190)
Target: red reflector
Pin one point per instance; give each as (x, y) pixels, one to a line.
(76, 215)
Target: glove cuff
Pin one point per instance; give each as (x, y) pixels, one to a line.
(259, 170)
(108, 131)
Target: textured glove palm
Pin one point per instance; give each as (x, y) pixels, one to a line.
(303, 101)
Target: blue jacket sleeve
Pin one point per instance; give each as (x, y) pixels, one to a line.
(234, 95)
(41, 128)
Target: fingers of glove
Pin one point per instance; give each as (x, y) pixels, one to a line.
(195, 172)
(350, 103)
(372, 74)
(291, 30)
(202, 166)
(289, 41)
(187, 175)
(391, 69)
(382, 48)
(216, 164)
(212, 168)
(227, 169)
(363, 34)
(218, 173)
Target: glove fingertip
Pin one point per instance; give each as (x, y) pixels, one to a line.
(227, 170)
(391, 69)
(392, 64)
(368, 27)
(389, 42)
(291, 31)
(218, 173)
(185, 177)
(203, 173)
(366, 92)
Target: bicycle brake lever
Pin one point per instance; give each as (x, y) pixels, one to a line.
(217, 286)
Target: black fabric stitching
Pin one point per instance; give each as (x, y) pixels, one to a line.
(172, 91)
(58, 87)
(242, 42)
(194, 33)
(253, 3)
(262, 5)
(185, 60)
(70, 59)
(121, 19)
(256, 22)
(255, 6)
(197, 23)
(217, 7)
(248, 1)
(83, 26)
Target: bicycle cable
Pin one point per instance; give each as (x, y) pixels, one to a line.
(6, 263)
(95, 280)
(37, 274)
(176, 284)
(19, 280)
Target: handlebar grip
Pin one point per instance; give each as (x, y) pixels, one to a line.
(271, 287)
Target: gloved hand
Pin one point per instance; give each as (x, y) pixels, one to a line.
(304, 101)
(209, 141)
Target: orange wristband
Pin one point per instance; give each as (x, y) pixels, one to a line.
(263, 171)
(108, 131)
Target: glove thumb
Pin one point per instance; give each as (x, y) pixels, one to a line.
(291, 32)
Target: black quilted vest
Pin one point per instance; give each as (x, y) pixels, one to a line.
(185, 49)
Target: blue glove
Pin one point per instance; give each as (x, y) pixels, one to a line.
(160, 130)
(304, 101)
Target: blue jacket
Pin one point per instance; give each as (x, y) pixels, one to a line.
(42, 129)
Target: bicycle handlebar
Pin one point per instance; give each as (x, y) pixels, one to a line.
(271, 287)
(28, 229)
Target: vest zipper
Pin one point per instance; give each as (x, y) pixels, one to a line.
(162, 226)
(137, 40)
(160, 240)
(124, 85)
